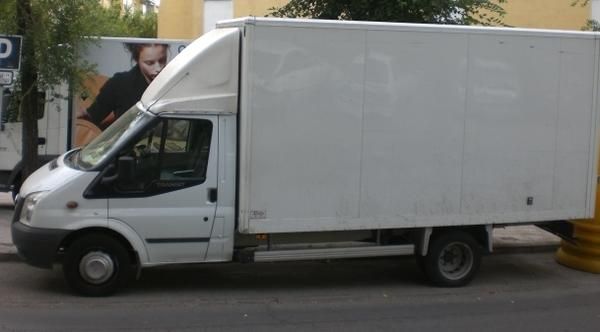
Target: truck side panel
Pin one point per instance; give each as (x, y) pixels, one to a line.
(313, 170)
(352, 128)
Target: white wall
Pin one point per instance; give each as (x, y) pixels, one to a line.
(596, 10)
(216, 10)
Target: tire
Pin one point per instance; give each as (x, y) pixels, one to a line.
(97, 265)
(452, 260)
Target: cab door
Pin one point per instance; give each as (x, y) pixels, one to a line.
(166, 188)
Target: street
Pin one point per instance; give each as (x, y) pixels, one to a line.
(520, 292)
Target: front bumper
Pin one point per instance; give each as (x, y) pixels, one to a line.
(37, 246)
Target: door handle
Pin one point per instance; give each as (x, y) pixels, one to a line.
(212, 195)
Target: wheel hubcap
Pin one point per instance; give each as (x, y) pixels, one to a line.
(96, 267)
(456, 260)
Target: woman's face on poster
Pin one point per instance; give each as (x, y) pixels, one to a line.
(152, 60)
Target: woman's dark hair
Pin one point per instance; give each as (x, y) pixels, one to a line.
(136, 48)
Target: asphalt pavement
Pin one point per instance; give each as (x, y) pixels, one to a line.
(511, 239)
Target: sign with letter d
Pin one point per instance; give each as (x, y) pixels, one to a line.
(10, 52)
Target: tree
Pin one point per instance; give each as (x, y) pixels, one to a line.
(116, 23)
(55, 32)
(590, 25)
(483, 12)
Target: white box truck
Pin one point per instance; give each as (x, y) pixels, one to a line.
(277, 139)
(59, 106)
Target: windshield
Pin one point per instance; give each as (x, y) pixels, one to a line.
(98, 149)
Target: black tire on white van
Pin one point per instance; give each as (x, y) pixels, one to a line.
(453, 259)
(97, 265)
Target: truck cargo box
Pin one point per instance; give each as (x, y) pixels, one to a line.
(351, 125)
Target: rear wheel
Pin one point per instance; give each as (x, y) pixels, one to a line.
(452, 260)
(97, 265)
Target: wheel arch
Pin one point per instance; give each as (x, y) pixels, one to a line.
(482, 234)
(69, 239)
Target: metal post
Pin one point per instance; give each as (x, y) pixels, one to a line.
(2, 108)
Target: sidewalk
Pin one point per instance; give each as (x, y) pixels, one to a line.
(7, 250)
(512, 239)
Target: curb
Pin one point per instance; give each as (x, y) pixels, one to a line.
(10, 257)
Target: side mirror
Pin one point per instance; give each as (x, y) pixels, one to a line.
(125, 170)
(107, 179)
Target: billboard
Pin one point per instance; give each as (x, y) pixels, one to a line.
(124, 69)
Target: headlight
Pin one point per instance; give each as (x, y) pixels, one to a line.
(29, 206)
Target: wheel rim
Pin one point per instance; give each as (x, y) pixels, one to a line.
(456, 260)
(96, 267)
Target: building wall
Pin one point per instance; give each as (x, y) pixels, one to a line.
(595, 4)
(192, 18)
(243, 8)
(546, 14)
(180, 19)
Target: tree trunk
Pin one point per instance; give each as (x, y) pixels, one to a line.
(29, 90)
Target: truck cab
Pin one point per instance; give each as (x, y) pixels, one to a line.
(148, 184)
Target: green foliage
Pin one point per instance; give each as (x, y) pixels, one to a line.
(112, 22)
(591, 25)
(482, 12)
(55, 34)
(61, 32)
(8, 17)
(582, 3)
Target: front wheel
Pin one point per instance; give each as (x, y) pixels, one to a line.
(97, 265)
(452, 260)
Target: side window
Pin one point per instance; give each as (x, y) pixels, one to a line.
(187, 145)
(171, 155)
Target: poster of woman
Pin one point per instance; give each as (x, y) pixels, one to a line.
(124, 69)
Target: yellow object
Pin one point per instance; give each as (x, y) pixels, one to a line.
(584, 254)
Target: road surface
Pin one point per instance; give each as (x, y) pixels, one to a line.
(513, 292)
